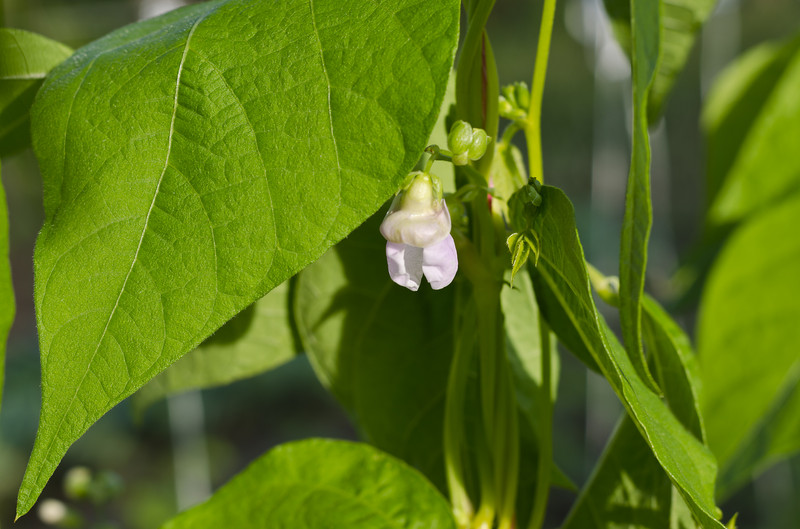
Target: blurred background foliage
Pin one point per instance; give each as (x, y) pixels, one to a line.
(143, 467)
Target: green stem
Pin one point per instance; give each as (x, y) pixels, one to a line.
(546, 436)
(533, 123)
(508, 135)
(454, 410)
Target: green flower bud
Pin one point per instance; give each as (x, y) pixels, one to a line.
(460, 137)
(522, 95)
(509, 95)
(505, 108)
(480, 141)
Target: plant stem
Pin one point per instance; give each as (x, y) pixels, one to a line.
(546, 429)
(533, 123)
(454, 409)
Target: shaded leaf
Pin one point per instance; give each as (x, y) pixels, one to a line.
(747, 343)
(7, 305)
(25, 59)
(676, 365)
(752, 121)
(562, 273)
(213, 153)
(627, 488)
(319, 484)
(256, 340)
(382, 350)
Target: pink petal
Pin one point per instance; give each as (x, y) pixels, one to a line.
(440, 263)
(405, 264)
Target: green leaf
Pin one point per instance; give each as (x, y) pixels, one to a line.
(194, 161)
(747, 341)
(320, 484)
(7, 306)
(562, 273)
(25, 59)
(680, 21)
(256, 340)
(645, 47)
(524, 350)
(628, 486)
(752, 120)
(676, 365)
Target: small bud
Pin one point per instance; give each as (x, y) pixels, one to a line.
(509, 95)
(505, 108)
(460, 137)
(522, 95)
(480, 140)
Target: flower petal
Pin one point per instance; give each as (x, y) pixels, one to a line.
(417, 229)
(440, 263)
(405, 264)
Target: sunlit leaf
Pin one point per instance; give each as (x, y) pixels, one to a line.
(256, 340)
(25, 59)
(213, 153)
(320, 484)
(752, 122)
(747, 341)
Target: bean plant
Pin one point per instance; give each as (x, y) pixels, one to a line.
(236, 182)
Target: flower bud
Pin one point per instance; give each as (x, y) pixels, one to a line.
(522, 95)
(480, 140)
(460, 137)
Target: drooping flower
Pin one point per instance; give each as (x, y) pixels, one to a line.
(417, 231)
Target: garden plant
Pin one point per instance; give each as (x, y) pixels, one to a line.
(350, 178)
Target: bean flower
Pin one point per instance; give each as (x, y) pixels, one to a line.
(417, 231)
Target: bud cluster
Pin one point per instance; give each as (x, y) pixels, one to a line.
(514, 101)
(467, 143)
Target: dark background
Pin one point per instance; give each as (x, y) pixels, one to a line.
(586, 152)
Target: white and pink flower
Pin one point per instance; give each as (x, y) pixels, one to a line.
(417, 231)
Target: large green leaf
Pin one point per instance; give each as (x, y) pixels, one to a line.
(256, 340)
(194, 161)
(562, 272)
(321, 484)
(748, 337)
(25, 59)
(6, 287)
(752, 122)
(645, 50)
(680, 21)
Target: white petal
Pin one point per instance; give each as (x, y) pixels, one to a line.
(405, 264)
(440, 263)
(415, 228)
